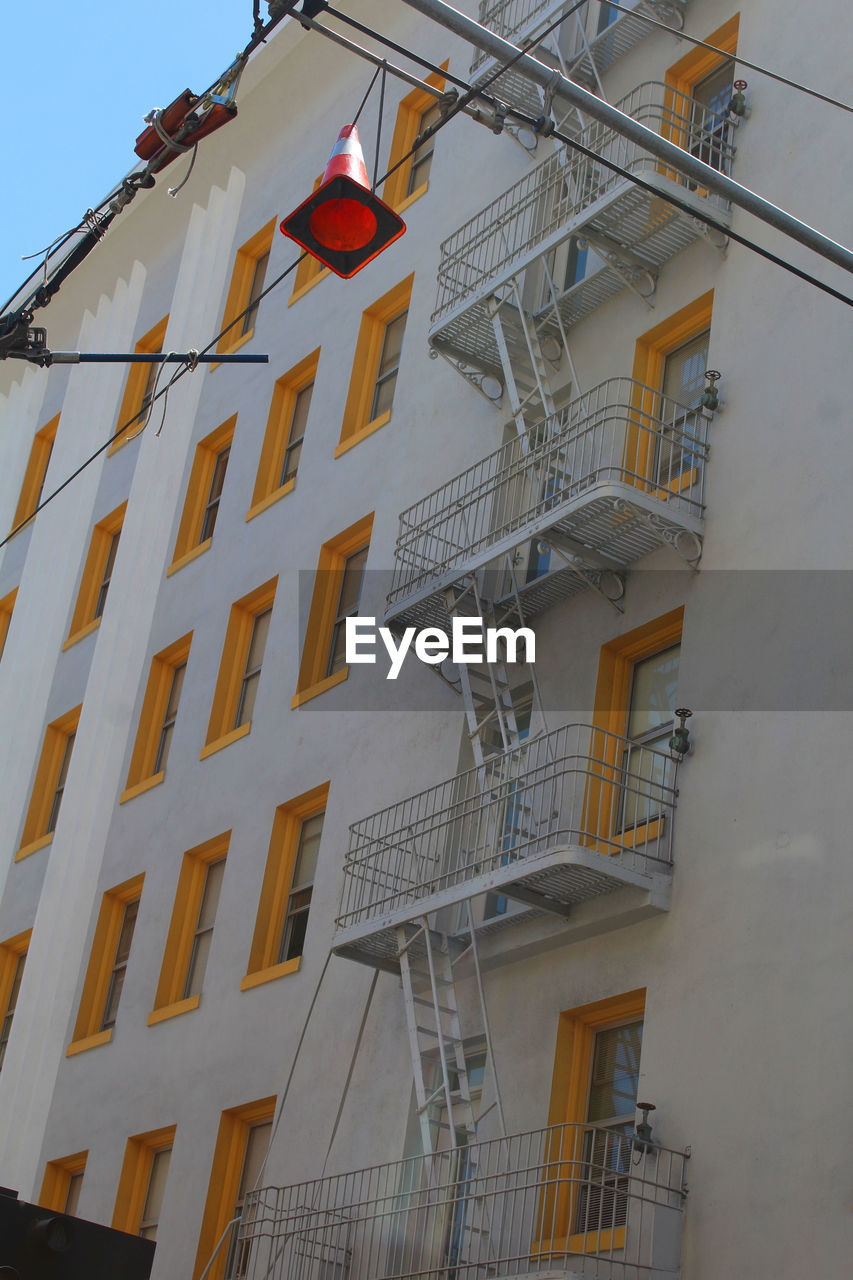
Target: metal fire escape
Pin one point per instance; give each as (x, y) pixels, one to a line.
(588, 484)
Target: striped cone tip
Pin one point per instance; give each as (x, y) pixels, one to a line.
(347, 159)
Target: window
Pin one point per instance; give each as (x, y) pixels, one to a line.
(105, 973)
(285, 432)
(374, 373)
(309, 269)
(49, 786)
(13, 955)
(7, 604)
(119, 964)
(635, 698)
(702, 84)
(142, 1184)
(337, 590)
(204, 492)
(97, 575)
(190, 930)
(240, 668)
(241, 1147)
(139, 387)
(63, 1182)
(247, 283)
(416, 112)
(594, 1090)
(36, 473)
(158, 718)
(389, 364)
(285, 899)
(670, 362)
(349, 596)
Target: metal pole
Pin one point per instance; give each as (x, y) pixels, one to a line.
(629, 128)
(156, 357)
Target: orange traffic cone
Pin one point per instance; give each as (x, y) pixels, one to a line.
(343, 224)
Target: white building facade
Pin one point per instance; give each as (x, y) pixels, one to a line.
(406, 955)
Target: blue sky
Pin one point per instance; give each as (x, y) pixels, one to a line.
(78, 78)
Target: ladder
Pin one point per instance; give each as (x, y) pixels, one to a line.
(435, 1034)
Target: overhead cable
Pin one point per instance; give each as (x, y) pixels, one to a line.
(187, 367)
(731, 57)
(526, 118)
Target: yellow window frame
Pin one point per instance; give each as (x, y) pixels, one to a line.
(35, 473)
(396, 189)
(356, 424)
(35, 834)
(224, 1182)
(650, 352)
(569, 1088)
(134, 388)
(133, 1181)
(83, 620)
(321, 618)
(226, 695)
(169, 1001)
(267, 488)
(188, 544)
(278, 875)
(7, 605)
(87, 1033)
(610, 717)
(309, 270)
(241, 285)
(141, 776)
(56, 1182)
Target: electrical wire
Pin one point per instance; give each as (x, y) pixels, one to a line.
(185, 368)
(732, 57)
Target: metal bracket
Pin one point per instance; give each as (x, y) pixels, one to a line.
(489, 385)
(668, 536)
(714, 237)
(594, 577)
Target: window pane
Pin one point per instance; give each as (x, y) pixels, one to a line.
(351, 583)
(715, 91)
(210, 897)
(615, 1073)
(256, 1148)
(108, 573)
(60, 783)
(72, 1198)
(215, 493)
(392, 345)
(295, 926)
(198, 964)
(255, 289)
(300, 414)
(684, 371)
(154, 1196)
(120, 964)
(422, 155)
(258, 642)
(306, 853)
(653, 692)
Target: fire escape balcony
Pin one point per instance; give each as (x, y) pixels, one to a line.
(582, 51)
(563, 818)
(571, 233)
(612, 476)
(560, 1203)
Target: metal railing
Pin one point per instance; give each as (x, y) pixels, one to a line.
(619, 433)
(571, 1199)
(518, 20)
(567, 192)
(577, 786)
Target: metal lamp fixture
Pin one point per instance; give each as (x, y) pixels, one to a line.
(643, 1140)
